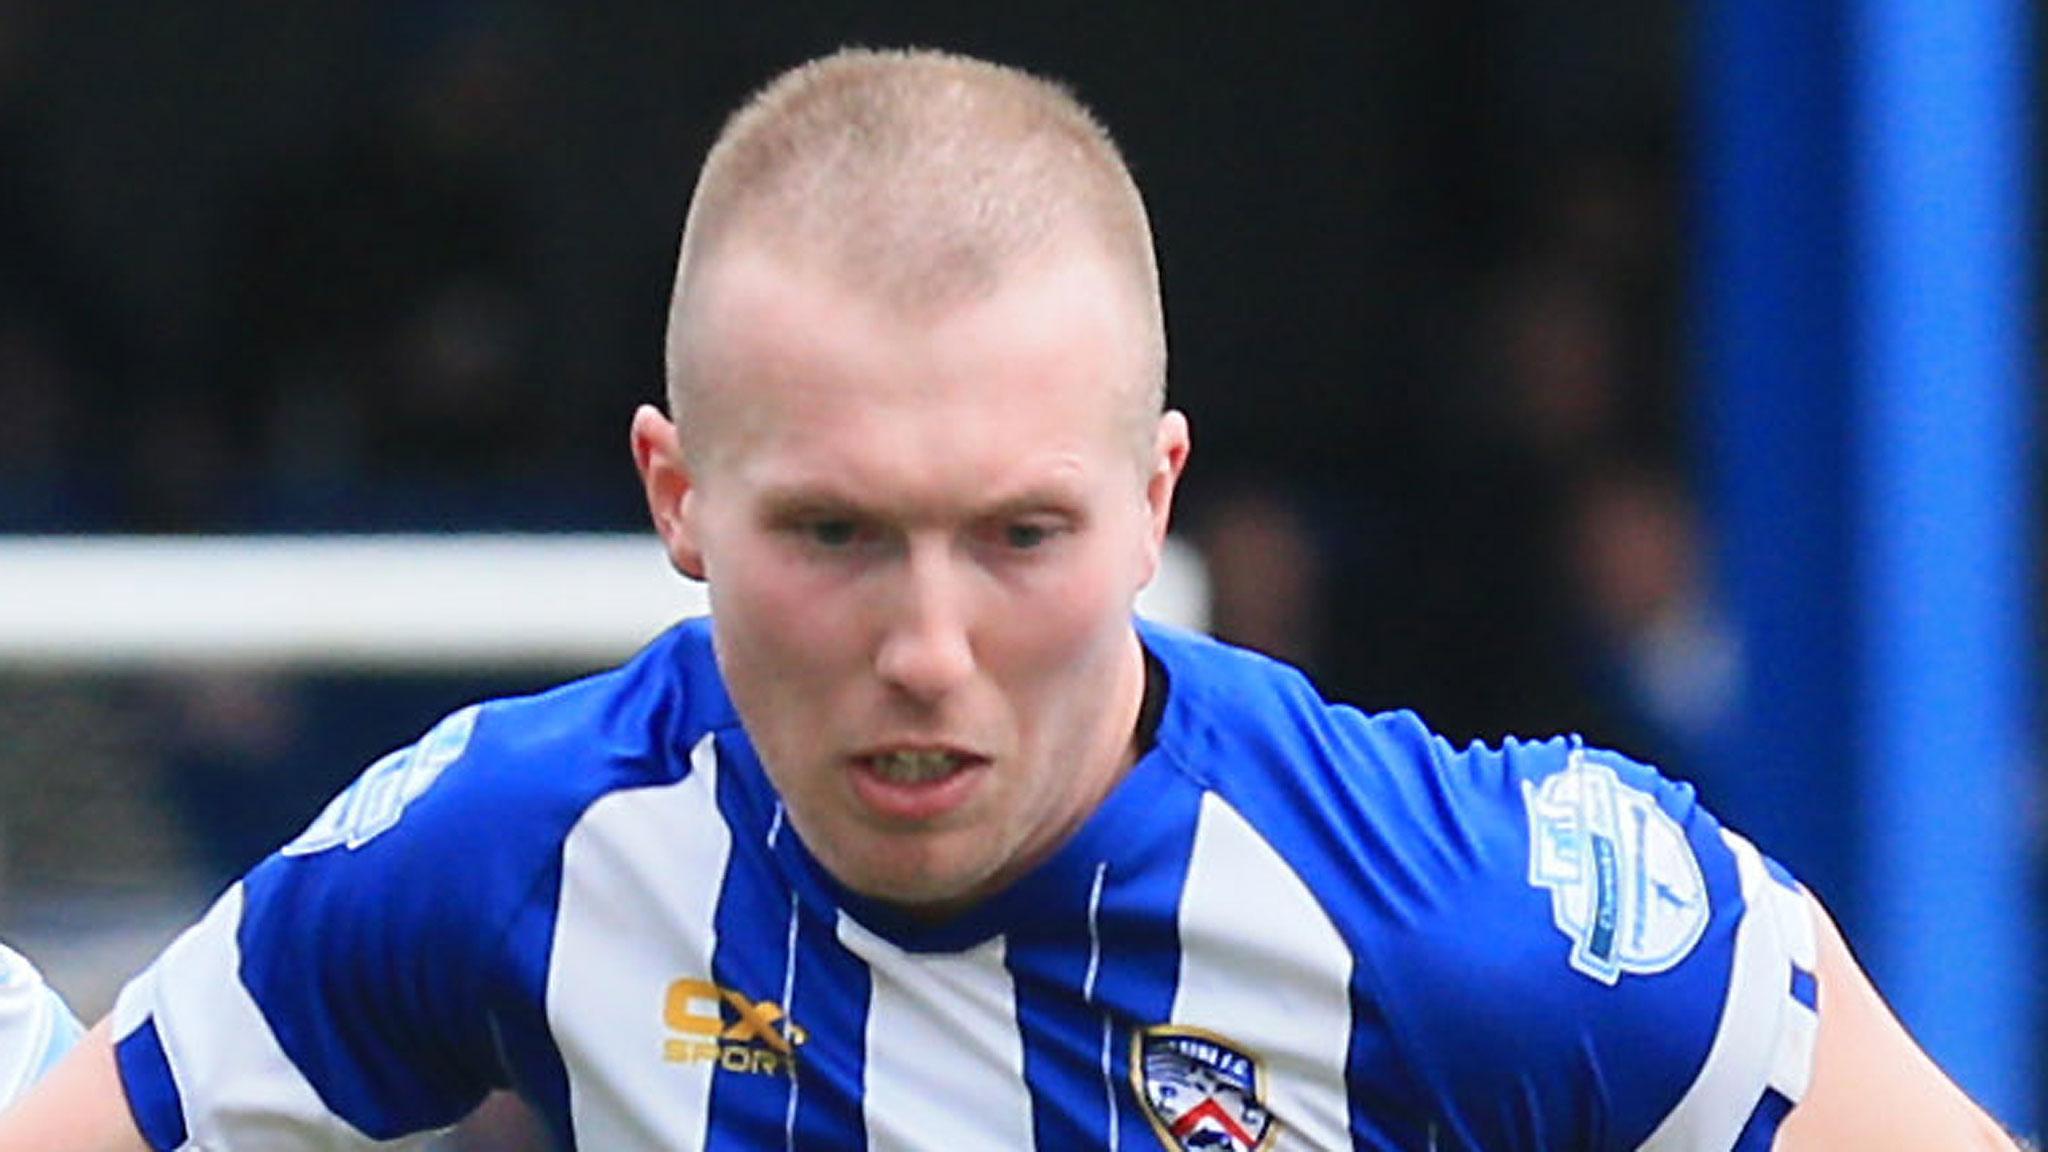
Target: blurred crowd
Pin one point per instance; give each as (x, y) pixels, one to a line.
(359, 335)
(1477, 506)
(401, 267)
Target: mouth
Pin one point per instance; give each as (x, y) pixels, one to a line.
(914, 766)
(917, 783)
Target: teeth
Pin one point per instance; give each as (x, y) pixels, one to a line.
(914, 767)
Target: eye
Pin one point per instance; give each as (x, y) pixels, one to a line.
(832, 533)
(1026, 535)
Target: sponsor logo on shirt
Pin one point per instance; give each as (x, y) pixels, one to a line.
(714, 1024)
(1201, 1092)
(1625, 886)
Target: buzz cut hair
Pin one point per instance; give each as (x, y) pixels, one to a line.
(922, 177)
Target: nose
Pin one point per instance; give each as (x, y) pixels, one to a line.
(925, 649)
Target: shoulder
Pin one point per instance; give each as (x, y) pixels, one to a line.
(1340, 791)
(483, 802)
(1553, 936)
(1379, 801)
(531, 764)
(1567, 944)
(382, 954)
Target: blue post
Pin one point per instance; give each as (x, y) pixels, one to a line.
(1942, 261)
(1864, 255)
(1769, 251)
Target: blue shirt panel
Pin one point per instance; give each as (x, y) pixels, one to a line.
(1099, 960)
(830, 999)
(753, 958)
(152, 1091)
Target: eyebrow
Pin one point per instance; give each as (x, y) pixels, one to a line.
(802, 497)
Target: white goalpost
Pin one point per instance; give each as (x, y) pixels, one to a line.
(368, 602)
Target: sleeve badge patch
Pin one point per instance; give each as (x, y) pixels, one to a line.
(1625, 885)
(1201, 1093)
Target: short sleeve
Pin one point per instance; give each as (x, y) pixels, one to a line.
(1599, 964)
(337, 996)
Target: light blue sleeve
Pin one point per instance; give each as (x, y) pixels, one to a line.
(36, 1028)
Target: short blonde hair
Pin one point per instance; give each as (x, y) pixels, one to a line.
(921, 176)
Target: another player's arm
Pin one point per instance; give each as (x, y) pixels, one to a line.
(78, 1107)
(1873, 1089)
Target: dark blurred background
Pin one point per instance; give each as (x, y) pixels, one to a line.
(402, 265)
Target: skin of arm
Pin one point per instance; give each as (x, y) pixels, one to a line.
(78, 1107)
(1873, 1088)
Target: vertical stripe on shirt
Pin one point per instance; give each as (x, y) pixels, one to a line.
(945, 1063)
(789, 998)
(1106, 1061)
(1263, 967)
(751, 1097)
(637, 910)
(829, 998)
(1138, 923)
(1054, 960)
(1078, 1006)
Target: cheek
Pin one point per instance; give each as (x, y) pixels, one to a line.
(781, 627)
(1076, 614)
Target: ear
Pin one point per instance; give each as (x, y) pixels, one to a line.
(1170, 446)
(670, 491)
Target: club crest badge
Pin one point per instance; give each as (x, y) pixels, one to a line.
(1202, 1093)
(1625, 886)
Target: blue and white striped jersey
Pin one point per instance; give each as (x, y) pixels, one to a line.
(36, 1029)
(1291, 926)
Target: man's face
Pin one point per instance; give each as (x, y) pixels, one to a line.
(923, 535)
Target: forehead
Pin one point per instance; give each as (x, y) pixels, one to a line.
(775, 351)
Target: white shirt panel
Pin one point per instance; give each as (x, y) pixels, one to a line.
(1792, 1073)
(945, 1056)
(1263, 967)
(641, 875)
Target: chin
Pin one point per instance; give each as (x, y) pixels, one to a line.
(921, 891)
